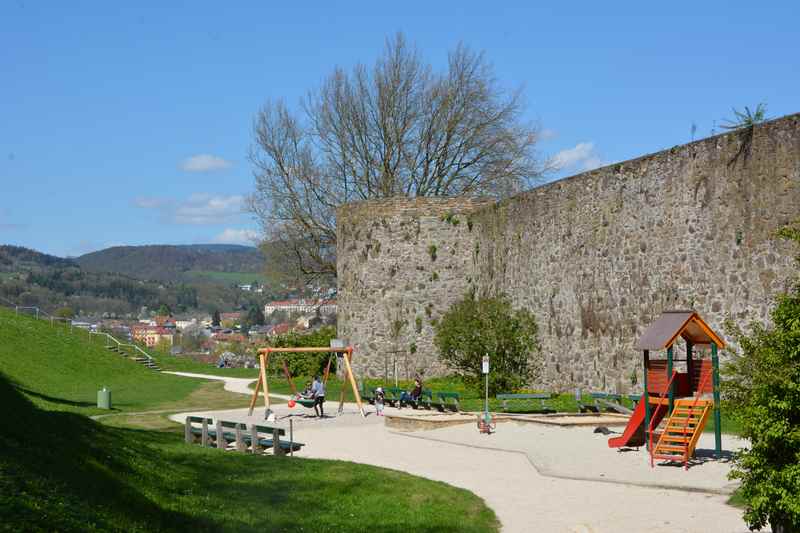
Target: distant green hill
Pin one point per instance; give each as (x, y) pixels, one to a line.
(28, 277)
(171, 263)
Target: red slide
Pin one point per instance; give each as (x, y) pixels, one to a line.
(633, 435)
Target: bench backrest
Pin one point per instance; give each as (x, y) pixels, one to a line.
(449, 395)
(199, 420)
(524, 396)
(427, 393)
(270, 430)
(396, 391)
(233, 425)
(606, 396)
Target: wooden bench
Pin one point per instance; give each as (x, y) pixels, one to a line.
(542, 397)
(266, 437)
(446, 400)
(223, 433)
(392, 395)
(424, 401)
(598, 398)
(367, 395)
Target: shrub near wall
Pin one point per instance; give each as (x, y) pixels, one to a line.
(764, 390)
(474, 327)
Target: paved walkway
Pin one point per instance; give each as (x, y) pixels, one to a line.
(240, 385)
(524, 498)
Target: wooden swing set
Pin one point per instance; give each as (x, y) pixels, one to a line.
(346, 354)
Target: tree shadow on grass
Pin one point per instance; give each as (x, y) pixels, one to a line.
(64, 472)
(53, 399)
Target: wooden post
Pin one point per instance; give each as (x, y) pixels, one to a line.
(690, 365)
(276, 442)
(187, 431)
(254, 399)
(646, 400)
(255, 447)
(717, 414)
(204, 435)
(221, 442)
(342, 390)
(671, 391)
(264, 361)
(352, 379)
(240, 446)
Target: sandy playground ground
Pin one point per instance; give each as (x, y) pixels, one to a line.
(536, 477)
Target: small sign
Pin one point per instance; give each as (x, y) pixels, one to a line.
(485, 364)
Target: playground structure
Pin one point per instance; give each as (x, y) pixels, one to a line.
(673, 394)
(345, 353)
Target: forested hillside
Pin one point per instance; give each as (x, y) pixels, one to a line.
(173, 263)
(28, 277)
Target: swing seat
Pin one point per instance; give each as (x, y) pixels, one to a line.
(305, 402)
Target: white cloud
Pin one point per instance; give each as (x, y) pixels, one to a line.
(199, 208)
(582, 156)
(236, 236)
(204, 163)
(202, 208)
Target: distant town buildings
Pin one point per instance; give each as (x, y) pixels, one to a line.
(325, 307)
(151, 335)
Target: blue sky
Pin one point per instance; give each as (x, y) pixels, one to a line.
(129, 123)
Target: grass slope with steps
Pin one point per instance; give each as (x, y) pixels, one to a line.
(63, 370)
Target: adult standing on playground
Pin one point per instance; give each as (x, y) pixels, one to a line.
(318, 393)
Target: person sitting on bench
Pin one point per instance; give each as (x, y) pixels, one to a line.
(318, 393)
(415, 393)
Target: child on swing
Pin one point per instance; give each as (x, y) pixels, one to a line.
(306, 394)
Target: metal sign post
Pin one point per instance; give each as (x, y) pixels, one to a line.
(485, 423)
(485, 370)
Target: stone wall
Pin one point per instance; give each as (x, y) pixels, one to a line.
(401, 263)
(596, 256)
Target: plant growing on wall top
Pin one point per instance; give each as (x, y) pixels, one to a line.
(474, 327)
(745, 122)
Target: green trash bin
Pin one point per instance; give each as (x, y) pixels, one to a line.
(104, 398)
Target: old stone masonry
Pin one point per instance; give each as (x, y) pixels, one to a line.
(595, 256)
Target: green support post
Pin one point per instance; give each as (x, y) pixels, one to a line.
(717, 414)
(646, 400)
(669, 377)
(690, 363)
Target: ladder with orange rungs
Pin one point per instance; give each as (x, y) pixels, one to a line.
(682, 431)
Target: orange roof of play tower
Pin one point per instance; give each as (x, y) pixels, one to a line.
(670, 325)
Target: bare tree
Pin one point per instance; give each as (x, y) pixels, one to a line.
(396, 129)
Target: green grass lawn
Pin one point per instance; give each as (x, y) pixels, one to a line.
(63, 371)
(63, 472)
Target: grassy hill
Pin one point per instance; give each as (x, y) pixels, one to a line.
(57, 370)
(170, 263)
(61, 471)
